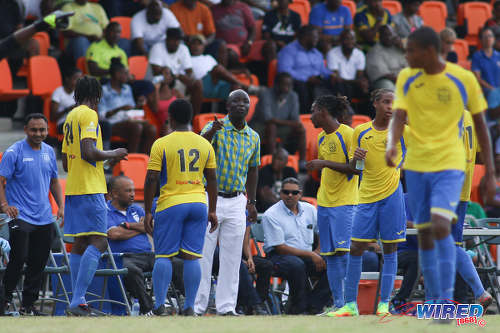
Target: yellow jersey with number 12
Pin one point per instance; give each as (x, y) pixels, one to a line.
(336, 188)
(181, 158)
(471, 148)
(435, 106)
(83, 177)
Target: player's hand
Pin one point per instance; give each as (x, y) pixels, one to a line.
(11, 211)
(315, 165)
(217, 124)
(390, 156)
(4, 245)
(490, 186)
(60, 216)
(120, 154)
(252, 213)
(148, 223)
(127, 107)
(251, 266)
(212, 218)
(318, 262)
(359, 154)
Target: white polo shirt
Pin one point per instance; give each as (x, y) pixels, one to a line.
(347, 68)
(178, 62)
(152, 33)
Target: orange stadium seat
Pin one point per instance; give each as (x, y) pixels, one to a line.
(479, 172)
(200, 120)
(351, 5)
(311, 137)
(293, 161)
(271, 72)
(434, 14)
(52, 124)
(244, 79)
(81, 64)
(43, 40)
(7, 93)
(392, 6)
(134, 168)
(125, 24)
(359, 119)
(310, 200)
(303, 8)
(44, 75)
(138, 66)
(253, 104)
(462, 49)
(474, 15)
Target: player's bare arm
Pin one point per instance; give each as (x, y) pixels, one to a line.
(150, 184)
(211, 177)
(5, 208)
(483, 137)
(119, 233)
(251, 187)
(396, 128)
(91, 154)
(347, 168)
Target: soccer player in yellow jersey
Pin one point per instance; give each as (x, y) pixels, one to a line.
(85, 208)
(465, 266)
(338, 191)
(381, 209)
(433, 94)
(178, 162)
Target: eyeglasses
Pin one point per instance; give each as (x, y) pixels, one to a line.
(288, 192)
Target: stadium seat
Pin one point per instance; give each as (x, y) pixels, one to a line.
(138, 66)
(311, 137)
(244, 79)
(359, 119)
(271, 72)
(293, 161)
(462, 49)
(434, 14)
(251, 111)
(392, 6)
(151, 118)
(479, 172)
(303, 8)
(310, 200)
(125, 24)
(81, 64)
(473, 15)
(7, 93)
(43, 40)
(52, 124)
(351, 5)
(134, 168)
(44, 76)
(200, 120)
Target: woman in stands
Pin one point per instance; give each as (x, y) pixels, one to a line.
(115, 106)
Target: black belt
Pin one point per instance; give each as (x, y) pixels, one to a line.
(227, 195)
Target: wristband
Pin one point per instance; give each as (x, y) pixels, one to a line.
(251, 202)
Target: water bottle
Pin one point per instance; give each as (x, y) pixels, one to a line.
(135, 308)
(360, 165)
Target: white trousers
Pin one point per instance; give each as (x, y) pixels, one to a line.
(230, 233)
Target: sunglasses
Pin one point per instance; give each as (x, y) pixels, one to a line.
(288, 192)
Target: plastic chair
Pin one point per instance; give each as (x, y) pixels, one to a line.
(52, 124)
(271, 72)
(351, 5)
(244, 79)
(392, 6)
(479, 172)
(253, 104)
(7, 93)
(125, 24)
(81, 64)
(434, 14)
(138, 66)
(293, 161)
(473, 15)
(200, 120)
(44, 75)
(43, 40)
(303, 8)
(311, 137)
(135, 168)
(462, 49)
(311, 200)
(359, 119)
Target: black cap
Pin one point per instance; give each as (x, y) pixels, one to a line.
(174, 33)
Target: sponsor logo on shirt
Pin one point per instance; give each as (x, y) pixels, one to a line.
(46, 157)
(135, 216)
(28, 159)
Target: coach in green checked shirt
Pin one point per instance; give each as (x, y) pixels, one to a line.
(237, 151)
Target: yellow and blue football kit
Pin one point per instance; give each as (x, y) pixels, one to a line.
(85, 209)
(181, 211)
(381, 210)
(337, 194)
(435, 160)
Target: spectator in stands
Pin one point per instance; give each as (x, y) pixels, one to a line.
(34, 9)
(448, 38)
(385, 60)
(116, 100)
(217, 81)
(305, 64)
(166, 95)
(123, 7)
(277, 116)
(85, 26)
(494, 21)
(281, 24)
(126, 235)
(289, 227)
(270, 179)
(10, 17)
(63, 99)
(331, 18)
(486, 62)
(176, 56)
(408, 20)
(148, 26)
(368, 21)
(347, 63)
(195, 18)
(234, 23)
